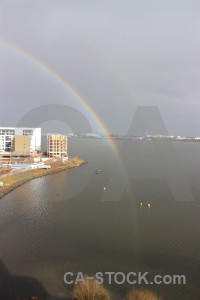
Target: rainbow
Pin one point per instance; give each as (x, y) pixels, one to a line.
(88, 109)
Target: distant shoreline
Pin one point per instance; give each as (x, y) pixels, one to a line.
(13, 181)
(141, 138)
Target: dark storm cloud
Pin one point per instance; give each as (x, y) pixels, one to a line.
(117, 54)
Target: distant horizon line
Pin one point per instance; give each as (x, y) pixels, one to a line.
(92, 134)
(102, 134)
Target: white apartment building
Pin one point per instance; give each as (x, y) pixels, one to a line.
(7, 137)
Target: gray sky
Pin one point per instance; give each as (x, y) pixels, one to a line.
(117, 54)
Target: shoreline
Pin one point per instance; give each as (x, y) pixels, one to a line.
(13, 181)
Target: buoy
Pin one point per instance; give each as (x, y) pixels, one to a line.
(141, 203)
(148, 205)
(104, 188)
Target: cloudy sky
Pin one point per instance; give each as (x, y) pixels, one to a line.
(117, 54)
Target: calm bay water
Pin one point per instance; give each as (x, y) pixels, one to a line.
(66, 222)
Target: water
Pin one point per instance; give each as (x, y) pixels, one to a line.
(66, 222)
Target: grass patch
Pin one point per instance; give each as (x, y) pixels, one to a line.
(90, 291)
(14, 180)
(142, 294)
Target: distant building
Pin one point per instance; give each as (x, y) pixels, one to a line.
(13, 138)
(56, 145)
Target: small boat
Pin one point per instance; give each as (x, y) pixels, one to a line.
(98, 171)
